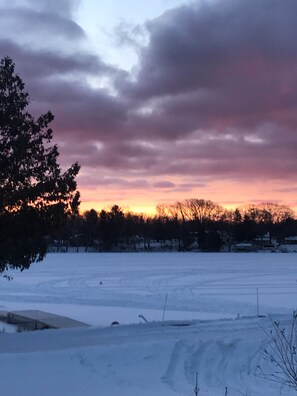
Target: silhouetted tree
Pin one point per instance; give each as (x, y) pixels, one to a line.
(35, 195)
(183, 225)
(90, 227)
(117, 219)
(105, 230)
(132, 229)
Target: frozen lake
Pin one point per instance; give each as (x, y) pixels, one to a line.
(102, 288)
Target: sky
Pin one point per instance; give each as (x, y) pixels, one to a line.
(164, 100)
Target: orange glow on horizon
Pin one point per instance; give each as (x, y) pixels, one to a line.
(146, 210)
(149, 210)
(228, 194)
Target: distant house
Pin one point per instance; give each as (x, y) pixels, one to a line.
(289, 244)
(290, 240)
(265, 242)
(244, 247)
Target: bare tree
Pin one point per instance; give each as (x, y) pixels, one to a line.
(203, 210)
(281, 353)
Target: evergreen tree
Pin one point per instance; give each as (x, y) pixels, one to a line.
(35, 195)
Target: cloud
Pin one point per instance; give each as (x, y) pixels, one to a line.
(41, 25)
(31, 21)
(98, 181)
(38, 64)
(212, 97)
(63, 7)
(59, 7)
(165, 184)
(213, 45)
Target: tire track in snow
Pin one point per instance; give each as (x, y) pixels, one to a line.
(174, 376)
(228, 360)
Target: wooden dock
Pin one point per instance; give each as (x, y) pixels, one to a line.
(38, 320)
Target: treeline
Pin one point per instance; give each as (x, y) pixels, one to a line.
(192, 224)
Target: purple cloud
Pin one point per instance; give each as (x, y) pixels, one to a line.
(164, 185)
(212, 98)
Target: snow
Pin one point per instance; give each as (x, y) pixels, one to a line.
(210, 323)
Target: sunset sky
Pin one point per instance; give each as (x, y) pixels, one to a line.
(164, 100)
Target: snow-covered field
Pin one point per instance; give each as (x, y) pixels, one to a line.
(210, 323)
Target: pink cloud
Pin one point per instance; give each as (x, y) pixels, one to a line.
(213, 97)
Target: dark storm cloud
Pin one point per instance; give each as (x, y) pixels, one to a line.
(214, 94)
